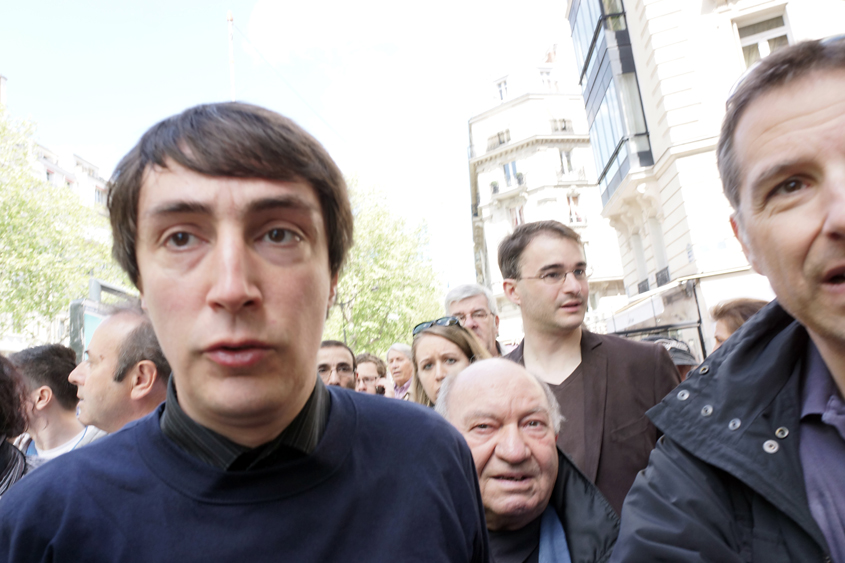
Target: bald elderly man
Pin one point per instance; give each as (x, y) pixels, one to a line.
(538, 505)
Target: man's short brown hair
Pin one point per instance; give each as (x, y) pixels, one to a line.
(229, 140)
(512, 247)
(366, 358)
(778, 69)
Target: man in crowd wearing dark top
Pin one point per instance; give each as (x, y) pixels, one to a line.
(336, 364)
(539, 506)
(604, 384)
(752, 463)
(52, 426)
(124, 374)
(234, 223)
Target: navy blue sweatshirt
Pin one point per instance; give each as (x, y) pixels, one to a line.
(389, 481)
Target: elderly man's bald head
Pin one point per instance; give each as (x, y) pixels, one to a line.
(510, 421)
(481, 374)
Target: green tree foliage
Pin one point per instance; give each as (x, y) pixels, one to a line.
(388, 284)
(50, 244)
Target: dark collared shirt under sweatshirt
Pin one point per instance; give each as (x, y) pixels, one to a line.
(298, 440)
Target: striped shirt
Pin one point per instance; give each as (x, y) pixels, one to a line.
(298, 440)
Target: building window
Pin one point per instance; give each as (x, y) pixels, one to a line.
(510, 173)
(663, 277)
(574, 212)
(546, 80)
(761, 39)
(561, 125)
(592, 14)
(49, 176)
(502, 87)
(565, 161)
(517, 216)
(499, 139)
(607, 136)
(100, 196)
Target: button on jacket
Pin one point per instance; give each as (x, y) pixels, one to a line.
(725, 482)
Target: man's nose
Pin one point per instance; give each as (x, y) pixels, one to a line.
(834, 203)
(334, 377)
(77, 376)
(511, 447)
(234, 284)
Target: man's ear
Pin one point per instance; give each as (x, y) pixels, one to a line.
(143, 377)
(739, 233)
(332, 292)
(41, 397)
(511, 292)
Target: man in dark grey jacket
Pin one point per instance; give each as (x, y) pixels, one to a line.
(752, 463)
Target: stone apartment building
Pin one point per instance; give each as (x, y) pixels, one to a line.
(654, 77)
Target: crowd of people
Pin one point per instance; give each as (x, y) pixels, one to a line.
(215, 424)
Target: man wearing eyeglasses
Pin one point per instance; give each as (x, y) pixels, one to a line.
(475, 307)
(604, 384)
(336, 364)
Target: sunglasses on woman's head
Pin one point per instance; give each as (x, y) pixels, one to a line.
(442, 321)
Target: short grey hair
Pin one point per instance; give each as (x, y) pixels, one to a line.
(467, 290)
(403, 349)
(443, 396)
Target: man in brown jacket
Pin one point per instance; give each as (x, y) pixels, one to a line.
(604, 384)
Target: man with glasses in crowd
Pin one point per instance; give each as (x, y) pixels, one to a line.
(604, 384)
(336, 364)
(475, 307)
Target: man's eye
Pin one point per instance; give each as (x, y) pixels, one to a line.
(790, 186)
(323, 369)
(552, 276)
(281, 236)
(579, 273)
(180, 239)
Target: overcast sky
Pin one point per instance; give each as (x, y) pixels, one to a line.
(387, 87)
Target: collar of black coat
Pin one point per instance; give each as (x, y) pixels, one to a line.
(589, 522)
(729, 410)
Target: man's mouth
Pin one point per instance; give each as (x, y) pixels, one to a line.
(237, 354)
(835, 276)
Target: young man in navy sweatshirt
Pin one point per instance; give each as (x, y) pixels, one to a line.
(234, 223)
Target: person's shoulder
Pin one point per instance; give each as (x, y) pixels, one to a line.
(387, 419)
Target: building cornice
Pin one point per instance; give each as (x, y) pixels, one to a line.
(513, 102)
(551, 139)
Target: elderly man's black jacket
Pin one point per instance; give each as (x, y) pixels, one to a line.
(725, 483)
(588, 520)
